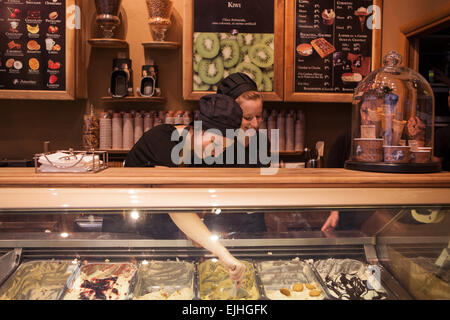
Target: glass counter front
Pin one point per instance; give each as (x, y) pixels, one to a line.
(384, 244)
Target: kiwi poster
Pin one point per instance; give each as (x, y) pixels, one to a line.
(333, 44)
(233, 36)
(32, 45)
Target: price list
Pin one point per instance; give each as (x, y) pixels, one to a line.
(32, 45)
(333, 45)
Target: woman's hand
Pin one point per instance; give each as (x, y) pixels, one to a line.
(332, 222)
(194, 228)
(235, 268)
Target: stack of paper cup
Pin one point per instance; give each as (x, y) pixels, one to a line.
(170, 118)
(271, 124)
(138, 127)
(105, 131)
(290, 132)
(263, 124)
(187, 118)
(158, 121)
(300, 131)
(162, 116)
(117, 131)
(148, 121)
(178, 117)
(281, 125)
(128, 132)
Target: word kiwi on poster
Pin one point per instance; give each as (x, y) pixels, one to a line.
(33, 46)
(333, 44)
(233, 36)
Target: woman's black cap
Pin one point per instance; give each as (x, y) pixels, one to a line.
(236, 84)
(218, 111)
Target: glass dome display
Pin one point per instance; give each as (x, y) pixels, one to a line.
(393, 121)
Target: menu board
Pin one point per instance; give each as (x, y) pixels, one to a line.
(233, 36)
(33, 45)
(333, 45)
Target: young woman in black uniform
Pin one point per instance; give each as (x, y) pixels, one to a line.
(156, 148)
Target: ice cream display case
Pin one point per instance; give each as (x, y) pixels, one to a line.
(119, 243)
(393, 121)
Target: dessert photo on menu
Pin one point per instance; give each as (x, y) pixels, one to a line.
(233, 38)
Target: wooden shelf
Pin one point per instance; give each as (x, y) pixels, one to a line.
(108, 43)
(134, 99)
(291, 153)
(117, 151)
(161, 45)
(282, 153)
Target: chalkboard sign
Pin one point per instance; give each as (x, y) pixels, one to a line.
(36, 49)
(331, 45)
(223, 37)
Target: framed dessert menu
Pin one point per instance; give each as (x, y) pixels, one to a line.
(222, 37)
(331, 45)
(37, 49)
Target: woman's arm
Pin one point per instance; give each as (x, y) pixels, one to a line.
(194, 228)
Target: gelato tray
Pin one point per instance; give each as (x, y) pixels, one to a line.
(38, 280)
(102, 281)
(216, 284)
(290, 280)
(349, 279)
(165, 280)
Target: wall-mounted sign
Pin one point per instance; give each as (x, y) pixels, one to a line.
(331, 45)
(223, 37)
(36, 50)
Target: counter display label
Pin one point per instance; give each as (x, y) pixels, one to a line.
(233, 36)
(33, 45)
(333, 44)
(254, 16)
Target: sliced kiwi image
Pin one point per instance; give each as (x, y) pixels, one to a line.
(197, 59)
(269, 74)
(203, 87)
(261, 55)
(229, 49)
(251, 70)
(266, 84)
(217, 55)
(196, 34)
(207, 45)
(198, 84)
(226, 36)
(211, 70)
(248, 39)
(245, 49)
(230, 71)
(268, 40)
(244, 57)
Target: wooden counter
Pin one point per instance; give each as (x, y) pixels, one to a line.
(221, 178)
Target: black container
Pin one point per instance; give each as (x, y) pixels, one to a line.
(121, 78)
(149, 82)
